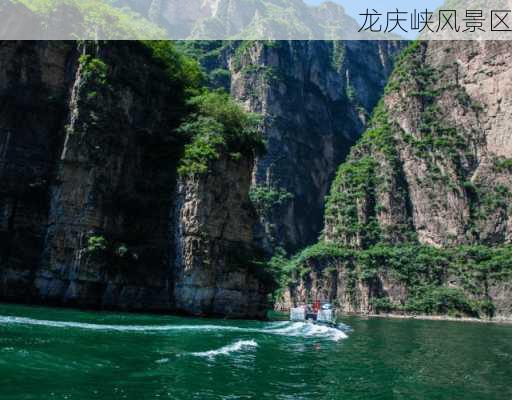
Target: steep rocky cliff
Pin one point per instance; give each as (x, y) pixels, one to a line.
(424, 197)
(435, 162)
(95, 213)
(90, 196)
(315, 98)
(35, 80)
(214, 244)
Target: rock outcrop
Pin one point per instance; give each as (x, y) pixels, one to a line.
(90, 188)
(207, 232)
(114, 183)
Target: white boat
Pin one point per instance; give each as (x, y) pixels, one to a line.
(318, 313)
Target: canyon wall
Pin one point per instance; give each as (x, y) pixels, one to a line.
(90, 197)
(95, 213)
(435, 163)
(215, 245)
(418, 218)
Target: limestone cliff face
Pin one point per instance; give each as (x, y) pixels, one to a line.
(207, 232)
(112, 182)
(446, 177)
(34, 81)
(331, 280)
(90, 186)
(315, 98)
(418, 218)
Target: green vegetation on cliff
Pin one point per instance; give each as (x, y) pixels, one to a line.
(185, 127)
(370, 199)
(93, 18)
(170, 69)
(353, 204)
(212, 56)
(218, 124)
(178, 66)
(438, 281)
(266, 198)
(212, 123)
(93, 68)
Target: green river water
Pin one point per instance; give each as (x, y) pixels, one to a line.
(66, 354)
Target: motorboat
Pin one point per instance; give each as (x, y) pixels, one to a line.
(317, 312)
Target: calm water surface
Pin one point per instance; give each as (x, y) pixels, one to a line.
(65, 354)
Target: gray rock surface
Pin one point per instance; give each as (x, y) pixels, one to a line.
(89, 190)
(214, 244)
(449, 182)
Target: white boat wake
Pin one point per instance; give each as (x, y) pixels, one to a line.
(309, 330)
(289, 329)
(236, 347)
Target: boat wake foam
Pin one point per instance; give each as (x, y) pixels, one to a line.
(236, 347)
(291, 329)
(304, 329)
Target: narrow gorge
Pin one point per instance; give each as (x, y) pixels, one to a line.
(255, 199)
(185, 180)
(131, 187)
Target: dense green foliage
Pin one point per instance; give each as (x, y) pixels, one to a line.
(211, 55)
(171, 71)
(266, 198)
(206, 52)
(95, 71)
(354, 184)
(352, 206)
(96, 244)
(424, 270)
(218, 124)
(97, 18)
(215, 123)
(503, 164)
(179, 67)
(93, 68)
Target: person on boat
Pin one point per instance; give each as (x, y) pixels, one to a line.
(316, 306)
